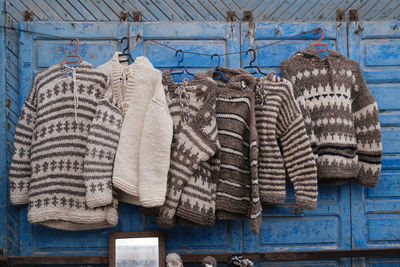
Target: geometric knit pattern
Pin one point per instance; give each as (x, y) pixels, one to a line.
(237, 189)
(142, 159)
(191, 179)
(342, 113)
(279, 122)
(47, 169)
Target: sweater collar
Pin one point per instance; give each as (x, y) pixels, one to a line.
(239, 79)
(310, 51)
(123, 78)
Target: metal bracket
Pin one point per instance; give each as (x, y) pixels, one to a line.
(137, 16)
(340, 15)
(28, 16)
(247, 16)
(353, 15)
(230, 16)
(123, 16)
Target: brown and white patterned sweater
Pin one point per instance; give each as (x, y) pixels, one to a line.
(280, 124)
(341, 116)
(58, 118)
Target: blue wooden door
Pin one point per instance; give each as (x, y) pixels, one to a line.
(346, 217)
(98, 42)
(328, 226)
(376, 212)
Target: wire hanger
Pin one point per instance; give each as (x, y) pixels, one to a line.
(124, 53)
(220, 75)
(183, 68)
(251, 62)
(73, 53)
(320, 39)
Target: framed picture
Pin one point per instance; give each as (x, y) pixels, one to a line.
(139, 249)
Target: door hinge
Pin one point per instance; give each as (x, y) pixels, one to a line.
(123, 16)
(353, 15)
(137, 16)
(28, 16)
(340, 15)
(230, 16)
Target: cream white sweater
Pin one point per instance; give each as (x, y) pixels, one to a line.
(143, 154)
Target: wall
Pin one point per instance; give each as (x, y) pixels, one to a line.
(86, 10)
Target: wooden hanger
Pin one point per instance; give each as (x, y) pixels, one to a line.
(73, 53)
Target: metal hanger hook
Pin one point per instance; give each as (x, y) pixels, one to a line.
(253, 55)
(219, 59)
(127, 45)
(77, 45)
(183, 55)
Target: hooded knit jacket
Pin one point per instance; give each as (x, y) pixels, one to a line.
(237, 188)
(50, 145)
(143, 155)
(193, 171)
(279, 122)
(342, 114)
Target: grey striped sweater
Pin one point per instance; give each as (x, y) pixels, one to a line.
(237, 189)
(58, 127)
(280, 123)
(341, 114)
(192, 175)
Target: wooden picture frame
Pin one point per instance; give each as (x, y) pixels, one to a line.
(126, 248)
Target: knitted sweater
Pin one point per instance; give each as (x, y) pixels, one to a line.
(237, 189)
(279, 122)
(47, 169)
(143, 154)
(192, 177)
(341, 112)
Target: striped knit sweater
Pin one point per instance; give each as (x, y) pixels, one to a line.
(279, 122)
(191, 179)
(237, 189)
(58, 119)
(342, 114)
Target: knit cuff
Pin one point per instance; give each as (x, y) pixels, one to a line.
(272, 199)
(368, 175)
(98, 200)
(154, 202)
(19, 199)
(306, 204)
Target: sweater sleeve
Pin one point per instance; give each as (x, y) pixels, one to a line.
(102, 142)
(155, 148)
(296, 149)
(256, 208)
(301, 102)
(368, 132)
(196, 141)
(21, 169)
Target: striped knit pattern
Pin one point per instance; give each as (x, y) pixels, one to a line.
(237, 189)
(279, 121)
(191, 185)
(343, 116)
(47, 169)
